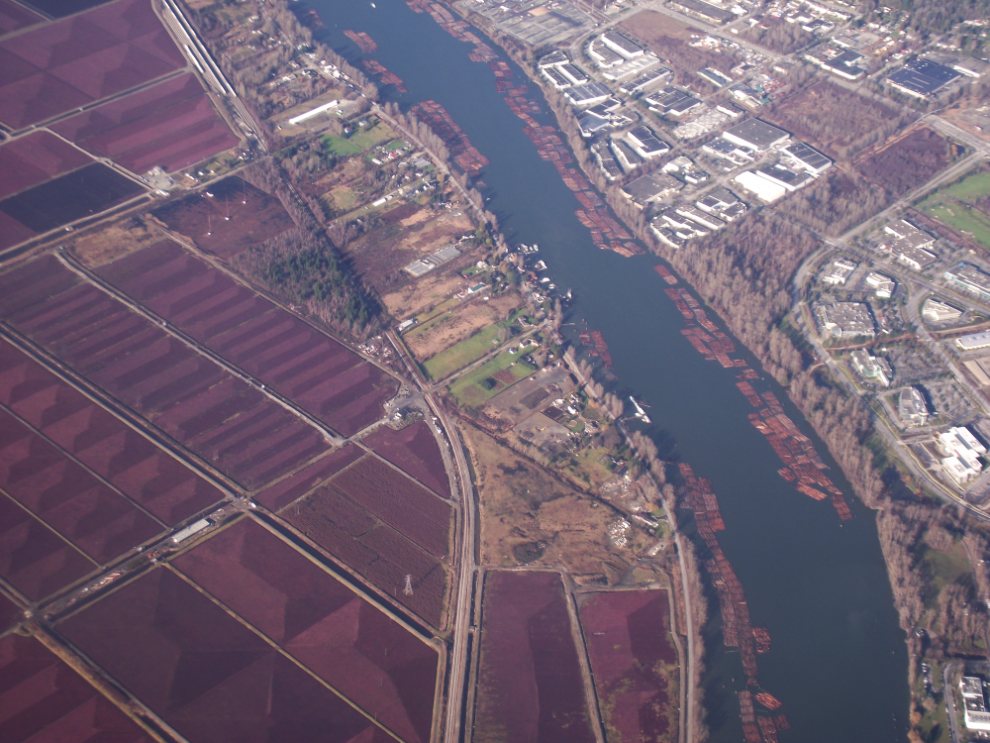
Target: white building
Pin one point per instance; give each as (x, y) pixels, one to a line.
(973, 341)
(938, 311)
(962, 450)
(871, 368)
(763, 188)
(838, 272)
(883, 286)
(975, 712)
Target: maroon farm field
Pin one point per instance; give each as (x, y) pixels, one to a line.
(10, 613)
(35, 560)
(14, 16)
(632, 658)
(309, 368)
(53, 68)
(79, 506)
(172, 124)
(383, 556)
(228, 423)
(356, 648)
(255, 217)
(35, 158)
(399, 502)
(205, 673)
(138, 468)
(413, 450)
(42, 700)
(299, 483)
(529, 678)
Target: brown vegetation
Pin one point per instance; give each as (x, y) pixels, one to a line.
(837, 120)
(779, 36)
(909, 161)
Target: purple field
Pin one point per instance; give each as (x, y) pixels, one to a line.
(349, 643)
(298, 484)
(43, 700)
(228, 423)
(35, 158)
(309, 368)
(56, 67)
(204, 672)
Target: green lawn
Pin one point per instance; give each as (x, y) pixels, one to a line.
(472, 390)
(363, 139)
(461, 354)
(945, 568)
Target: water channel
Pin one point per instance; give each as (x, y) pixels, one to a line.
(838, 660)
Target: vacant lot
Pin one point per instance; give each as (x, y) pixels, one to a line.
(228, 218)
(908, 162)
(379, 255)
(431, 337)
(114, 241)
(529, 517)
(669, 38)
(837, 120)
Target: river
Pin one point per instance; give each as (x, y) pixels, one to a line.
(838, 660)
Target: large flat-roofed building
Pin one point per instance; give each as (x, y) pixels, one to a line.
(703, 10)
(621, 44)
(632, 67)
(790, 180)
(647, 79)
(756, 135)
(975, 713)
(922, 78)
(556, 57)
(970, 279)
(671, 100)
(973, 341)
(838, 271)
(846, 319)
(808, 158)
(917, 258)
(763, 188)
(588, 94)
(646, 143)
(650, 188)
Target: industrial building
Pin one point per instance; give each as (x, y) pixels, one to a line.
(846, 319)
(702, 10)
(841, 62)
(628, 159)
(756, 135)
(621, 44)
(588, 94)
(807, 158)
(646, 143)
(697, 216)
(838, 271)
(649, 188)
(716, 78)
(973, 341)
(671, 100)
(969, 279)
(763, 188)
(916, 258)
(632, 67)
(788, 179)
(419, 267)
(644, 81)
(911, 245)
(938, 311)
(975, 713)
(922, 78)
(723, 203)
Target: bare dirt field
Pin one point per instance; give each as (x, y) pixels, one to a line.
(531, 395)
(452, 327)
(421, 294)
(528, 517)
(834, 119)
(669, 38)
(378, 256)
(114, 241)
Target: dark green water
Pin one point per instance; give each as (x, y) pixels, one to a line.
(838, 660)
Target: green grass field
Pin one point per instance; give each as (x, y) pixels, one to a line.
(470, 390)
(945, 568)
(362, 140)
(949, 206)
(461, 354)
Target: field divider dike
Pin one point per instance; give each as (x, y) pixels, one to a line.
(121, 411)
(72, 264)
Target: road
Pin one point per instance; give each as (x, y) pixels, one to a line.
(950, 704)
